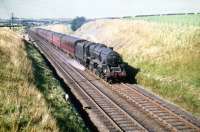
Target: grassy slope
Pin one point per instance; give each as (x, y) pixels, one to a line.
(23, 105)
(167, 55)
(66, 117)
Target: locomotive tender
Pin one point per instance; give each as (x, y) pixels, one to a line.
(97, 57)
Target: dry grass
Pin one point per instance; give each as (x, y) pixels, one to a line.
(167, 55)
(31, 95)
(22, 107)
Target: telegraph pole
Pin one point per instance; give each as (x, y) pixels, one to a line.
(12, 21)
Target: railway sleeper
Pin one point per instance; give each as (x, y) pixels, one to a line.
(148, 108)
(136, 98)
(104, 105)
(108, 107)
(129, 125)
(97, 96)
(154, 109)
(119, 118)
(128, 128)
(122, 121)
(177, 123)
(158, 112)
(149, 104)
(117, 114)
(102, 102)
(111, 109)
(134, 129)
(168, 117)
(161, 114)
(143, 101)
(114, 112)
(185, 128)
(91, 91)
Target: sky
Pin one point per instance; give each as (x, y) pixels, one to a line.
(93, 8)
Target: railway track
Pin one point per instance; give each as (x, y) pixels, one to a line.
(115, 118)
(118, 111)
(164, 116)
(168, 117)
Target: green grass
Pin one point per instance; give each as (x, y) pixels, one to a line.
(65, 115)
(186, 20)
(31, 97)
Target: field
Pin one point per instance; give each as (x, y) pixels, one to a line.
(31, 97)
(167, 53)
(182, 20)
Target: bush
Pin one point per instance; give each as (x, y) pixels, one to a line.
(77, 22)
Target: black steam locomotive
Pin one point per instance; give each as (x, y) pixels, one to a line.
(105, 62)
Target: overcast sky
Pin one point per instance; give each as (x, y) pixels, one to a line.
(93, 8)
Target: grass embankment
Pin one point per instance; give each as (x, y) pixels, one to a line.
(168, 55)
(169, 64)
(31, 98)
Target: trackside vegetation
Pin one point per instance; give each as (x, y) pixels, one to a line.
(66, 116)
(31, 97)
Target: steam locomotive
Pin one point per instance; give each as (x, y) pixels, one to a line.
(97, 57)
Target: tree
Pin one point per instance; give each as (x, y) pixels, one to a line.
(77, 23)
